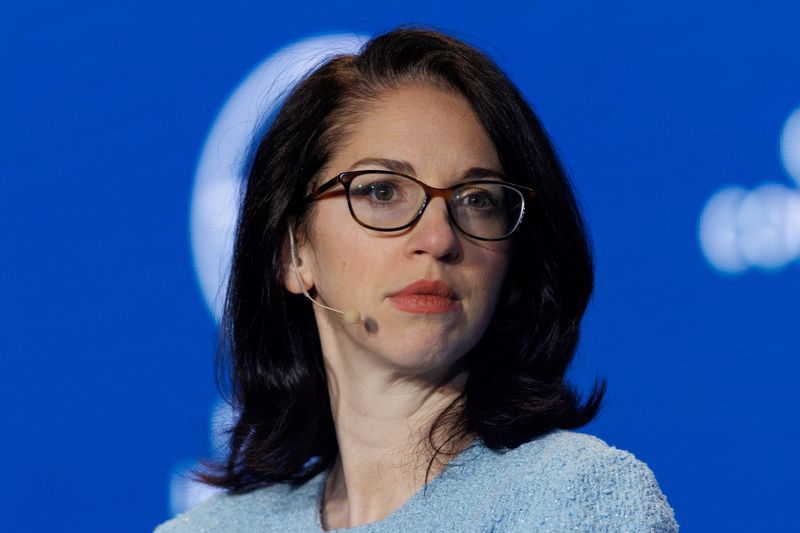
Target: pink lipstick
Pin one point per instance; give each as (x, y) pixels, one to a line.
(426, 296)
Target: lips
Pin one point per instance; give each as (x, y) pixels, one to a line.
(426, 296)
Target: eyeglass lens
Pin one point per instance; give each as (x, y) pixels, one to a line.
(389, 201)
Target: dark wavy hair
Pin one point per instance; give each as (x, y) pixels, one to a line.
(270, 350)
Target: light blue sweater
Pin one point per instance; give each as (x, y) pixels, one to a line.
(563, 481)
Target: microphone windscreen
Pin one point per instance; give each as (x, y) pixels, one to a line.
(351, 316)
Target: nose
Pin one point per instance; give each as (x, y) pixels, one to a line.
(435, 234)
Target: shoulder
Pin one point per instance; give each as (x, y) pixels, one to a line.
(258, 510)
(579, 481)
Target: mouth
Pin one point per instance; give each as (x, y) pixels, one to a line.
(427, 297)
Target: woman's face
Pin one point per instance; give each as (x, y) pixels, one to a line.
(437, 136)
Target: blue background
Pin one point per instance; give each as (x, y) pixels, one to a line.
(107, 343)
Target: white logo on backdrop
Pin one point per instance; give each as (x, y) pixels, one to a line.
(184, 491)
(215, 201)
(219, 171)
(741, 228)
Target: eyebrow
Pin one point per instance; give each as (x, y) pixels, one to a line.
(404, 167)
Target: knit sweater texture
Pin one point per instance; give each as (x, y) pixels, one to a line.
(562, 481)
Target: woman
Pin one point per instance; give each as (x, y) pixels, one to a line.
(411, 194)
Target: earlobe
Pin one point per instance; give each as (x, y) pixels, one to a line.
(295, 272)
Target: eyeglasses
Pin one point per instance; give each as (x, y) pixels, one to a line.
(382, 200)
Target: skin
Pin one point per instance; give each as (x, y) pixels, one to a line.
(386, 374)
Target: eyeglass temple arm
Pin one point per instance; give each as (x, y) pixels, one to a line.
(322, 188)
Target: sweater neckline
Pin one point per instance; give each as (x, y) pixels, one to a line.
(458, 461)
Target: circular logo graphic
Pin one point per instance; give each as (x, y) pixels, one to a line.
(790, 145)
(219, 174)
(214, 205)
(739, 229)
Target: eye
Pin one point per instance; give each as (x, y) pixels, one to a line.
(382, 191)
(478, 199)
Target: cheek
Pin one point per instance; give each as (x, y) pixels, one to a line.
(491, 278)
(493, 260)
(345, 265)
(333, 244)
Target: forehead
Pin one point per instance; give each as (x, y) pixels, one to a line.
(433, 129)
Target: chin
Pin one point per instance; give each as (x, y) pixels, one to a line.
(425, 359)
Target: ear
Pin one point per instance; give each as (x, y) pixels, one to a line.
(297, 277)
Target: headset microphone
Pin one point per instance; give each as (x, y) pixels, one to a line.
(351, 316)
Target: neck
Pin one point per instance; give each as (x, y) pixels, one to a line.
(383, 419)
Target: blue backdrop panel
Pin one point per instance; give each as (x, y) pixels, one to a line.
(679, 124)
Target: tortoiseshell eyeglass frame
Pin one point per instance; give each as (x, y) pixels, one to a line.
(346, 178)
